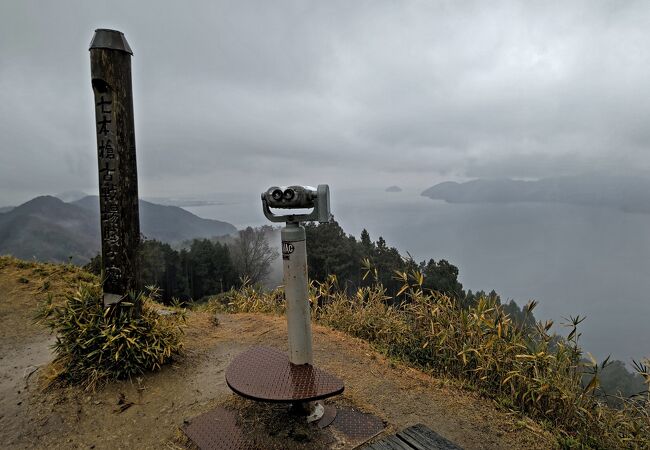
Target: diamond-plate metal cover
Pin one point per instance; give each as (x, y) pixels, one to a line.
(328, 417)
(356, 426)
(266, 374)
(217, 430)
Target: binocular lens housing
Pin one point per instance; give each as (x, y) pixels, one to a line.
(297, 197)
(290, 197)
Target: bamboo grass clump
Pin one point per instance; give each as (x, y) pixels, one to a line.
(94, 345)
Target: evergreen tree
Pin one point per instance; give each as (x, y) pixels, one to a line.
(442, 277)
(331, 252)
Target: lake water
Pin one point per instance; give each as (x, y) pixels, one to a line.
(594, 262)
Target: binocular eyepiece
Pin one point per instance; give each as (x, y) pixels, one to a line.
(290, 197)
(297, 197)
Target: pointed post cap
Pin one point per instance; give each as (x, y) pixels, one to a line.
(111, 39)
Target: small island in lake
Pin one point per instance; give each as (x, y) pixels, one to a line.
(393, 189)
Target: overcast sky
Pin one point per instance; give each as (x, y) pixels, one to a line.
(238, 95)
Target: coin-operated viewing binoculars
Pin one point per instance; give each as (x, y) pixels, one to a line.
(266, 374)
(294, 256)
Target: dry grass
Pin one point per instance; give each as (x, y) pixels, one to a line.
(274, 426)
(41, 279)
(525, 369)
(192, 385)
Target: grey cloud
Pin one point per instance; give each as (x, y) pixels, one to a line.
(234, 91)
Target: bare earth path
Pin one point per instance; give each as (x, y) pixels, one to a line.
(23, 348)
(148, 412)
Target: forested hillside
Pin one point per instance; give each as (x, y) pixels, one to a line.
(48, 229)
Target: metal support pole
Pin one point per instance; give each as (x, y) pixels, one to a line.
(294, 260)
(294, 256)
(110, 68)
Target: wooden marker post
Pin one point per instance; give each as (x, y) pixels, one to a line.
(110, 68)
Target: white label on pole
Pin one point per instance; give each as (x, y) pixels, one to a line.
(287, 249)
(110, 299)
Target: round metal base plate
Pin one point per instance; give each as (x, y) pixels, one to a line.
(265, 374)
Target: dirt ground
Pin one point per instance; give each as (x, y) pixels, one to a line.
(148, 412)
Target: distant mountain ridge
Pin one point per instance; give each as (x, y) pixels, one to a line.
(167, 223)
(629, 194)
(48, 229)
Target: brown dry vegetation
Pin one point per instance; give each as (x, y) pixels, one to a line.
(147, 412)
(523, 368)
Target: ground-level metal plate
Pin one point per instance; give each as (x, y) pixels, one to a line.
(218, 430)
(328, 417)
(356, 427)
(266, 374)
